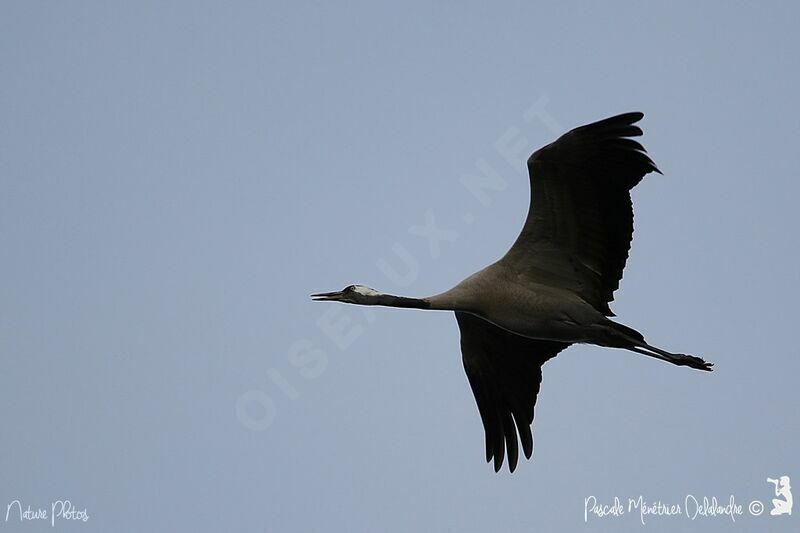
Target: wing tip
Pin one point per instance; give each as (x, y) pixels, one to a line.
(624, 120)
(631, 117)
(637, 114)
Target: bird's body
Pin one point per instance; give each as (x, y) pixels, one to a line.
(513, 302)
(553, 287)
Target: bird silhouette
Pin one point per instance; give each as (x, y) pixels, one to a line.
(553, 287)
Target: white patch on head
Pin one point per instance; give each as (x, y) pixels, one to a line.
(365, 291)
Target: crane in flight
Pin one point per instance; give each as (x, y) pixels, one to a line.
(553, 287)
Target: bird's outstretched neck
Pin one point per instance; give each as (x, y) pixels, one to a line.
(390, 300)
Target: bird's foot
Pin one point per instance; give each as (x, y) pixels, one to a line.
(693, 362)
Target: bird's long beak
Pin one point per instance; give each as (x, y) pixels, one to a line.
(334, 296)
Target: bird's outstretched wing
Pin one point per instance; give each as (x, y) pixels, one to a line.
(580, 222)
(504, 371)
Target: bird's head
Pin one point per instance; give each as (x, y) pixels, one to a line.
(352, 294)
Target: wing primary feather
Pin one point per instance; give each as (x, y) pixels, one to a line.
(498, 433)
(511, 440)
(525, 437)
(482, 399)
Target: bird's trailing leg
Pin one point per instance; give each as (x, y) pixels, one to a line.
(679, 359)
(621, 336)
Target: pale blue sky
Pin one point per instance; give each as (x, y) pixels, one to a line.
(176, 179)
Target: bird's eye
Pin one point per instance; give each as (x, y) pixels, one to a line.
(350, 288)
